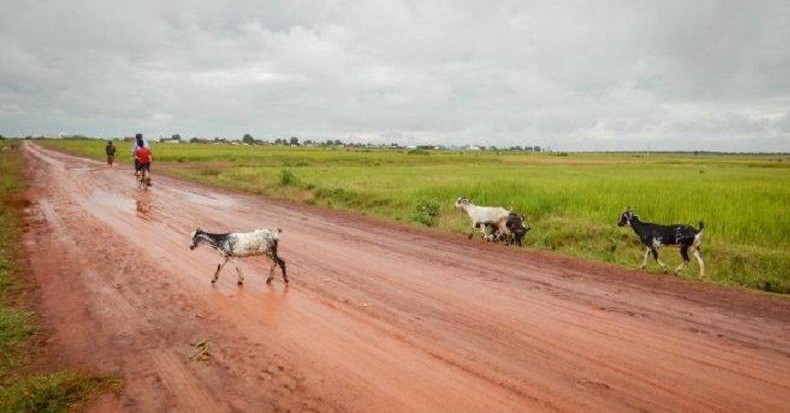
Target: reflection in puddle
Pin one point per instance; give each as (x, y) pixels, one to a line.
(267, 304)
(215, 200)
(273, 303)
(143, 202)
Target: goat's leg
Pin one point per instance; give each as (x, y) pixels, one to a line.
(644, 260)
(271, 271)
(281, 263)
(504, 230)
(241, 276)
(684, 251)
(219, 268)
(697, 255)
(490, 233)
(655, 256)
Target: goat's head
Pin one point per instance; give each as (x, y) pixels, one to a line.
(626, 217)
(516, 222)
(195, 238)
(461, 202)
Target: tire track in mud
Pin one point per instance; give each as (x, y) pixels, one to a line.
(378, 316)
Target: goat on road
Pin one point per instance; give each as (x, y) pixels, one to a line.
(242, 244)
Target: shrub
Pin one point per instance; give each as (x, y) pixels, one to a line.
(287, 177)
(426, 211)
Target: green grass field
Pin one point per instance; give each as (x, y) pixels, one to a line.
(25, 388)
(572, 202)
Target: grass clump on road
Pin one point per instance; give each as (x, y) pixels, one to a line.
(51, 393)
(23, 387)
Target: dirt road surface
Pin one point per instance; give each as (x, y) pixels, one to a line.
(378, 317)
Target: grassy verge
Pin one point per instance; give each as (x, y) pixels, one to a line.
(23, 386)
(572, 202)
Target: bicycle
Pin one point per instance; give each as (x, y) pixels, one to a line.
(144, 178)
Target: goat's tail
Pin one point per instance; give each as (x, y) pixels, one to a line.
(701, 226)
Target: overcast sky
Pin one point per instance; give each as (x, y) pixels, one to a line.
(674, 75)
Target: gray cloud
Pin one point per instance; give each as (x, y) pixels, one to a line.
(586, 75)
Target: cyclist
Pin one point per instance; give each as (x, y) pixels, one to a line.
(142, 159)
(138, 142)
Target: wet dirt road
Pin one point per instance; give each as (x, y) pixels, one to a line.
(378, 317)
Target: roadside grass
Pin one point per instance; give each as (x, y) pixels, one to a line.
(24, 387)
(571, 201)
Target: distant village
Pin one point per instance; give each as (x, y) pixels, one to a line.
(248, 139)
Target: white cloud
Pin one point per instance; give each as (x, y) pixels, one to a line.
(582, 75)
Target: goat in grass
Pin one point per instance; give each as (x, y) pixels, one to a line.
(242, 244)
(517, 229)
(654, 236)
(482, 215)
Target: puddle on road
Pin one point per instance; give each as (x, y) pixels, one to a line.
(103, 198)
(213, 200)
(142, 203)
(268, 304)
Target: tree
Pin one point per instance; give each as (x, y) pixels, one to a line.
(337, 142)
(294, 141)
(536, 148)
(279, 141)
(247, 138)
(176, 137)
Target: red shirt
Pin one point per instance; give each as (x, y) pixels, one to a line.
(143, 155)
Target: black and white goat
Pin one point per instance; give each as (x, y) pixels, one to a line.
(242, 244)
(481, 216)
(517, 229)
(654, 236)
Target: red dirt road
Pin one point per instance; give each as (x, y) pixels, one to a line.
(378, 317)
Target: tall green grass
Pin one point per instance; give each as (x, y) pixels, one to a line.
(572, 202)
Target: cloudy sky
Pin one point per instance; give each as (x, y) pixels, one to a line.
(673, 75)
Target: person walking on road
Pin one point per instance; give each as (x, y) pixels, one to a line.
(110, 151)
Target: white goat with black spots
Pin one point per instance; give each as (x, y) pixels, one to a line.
(481, 215)
(242, 244)
(654, 236)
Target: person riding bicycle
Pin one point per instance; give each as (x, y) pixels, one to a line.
(142, 157)
(138, 142)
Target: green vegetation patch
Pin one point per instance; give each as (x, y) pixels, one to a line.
(51, 393)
